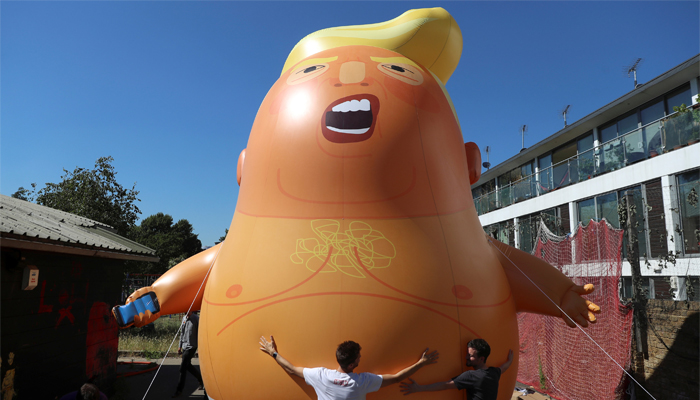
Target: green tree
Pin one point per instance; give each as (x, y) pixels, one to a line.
(173, 243)
(222, 238)
(25, 194)
(93, 193)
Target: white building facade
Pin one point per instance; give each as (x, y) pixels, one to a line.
(645, 144)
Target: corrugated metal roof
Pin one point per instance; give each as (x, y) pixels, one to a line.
(22, 218)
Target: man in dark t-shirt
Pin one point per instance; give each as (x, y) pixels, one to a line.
(480, 384)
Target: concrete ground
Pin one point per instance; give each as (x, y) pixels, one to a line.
(136, 385)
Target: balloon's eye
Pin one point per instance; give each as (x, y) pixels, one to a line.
(313, 68)
(404, 72)
(304, 74)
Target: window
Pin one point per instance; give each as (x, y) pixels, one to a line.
(528, 227)
(504, 190)
(626, 287)
(688, 191)
(585, 162)
(606, 206)
(652, 112)
(611, 153)
(608, 133)
(504, 179)
(560, 172)
(693, 288)
(502, 231)
(491, 230)
(678, 97)
(564, 152)
(545, 174)
(527, 169)
(586, 211)
(619, 127)
(524, 187)
(527, 231)
(627, 124)
(651, 134)
(638, 221)
(585, 143)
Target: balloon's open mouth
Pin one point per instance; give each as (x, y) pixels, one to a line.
(350, 119)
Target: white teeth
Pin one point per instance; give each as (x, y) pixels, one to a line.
(349, 131)
(353, 105)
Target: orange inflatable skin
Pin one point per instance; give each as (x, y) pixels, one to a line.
(357, 228)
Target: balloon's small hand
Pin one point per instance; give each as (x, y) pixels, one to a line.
(582, 311)
(146, 317)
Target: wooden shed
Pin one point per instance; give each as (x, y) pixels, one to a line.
(61, 275)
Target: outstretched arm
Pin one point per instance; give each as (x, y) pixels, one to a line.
(506, 364)
(271, 349)
(425, 359)
(173, 292)
(555, 285)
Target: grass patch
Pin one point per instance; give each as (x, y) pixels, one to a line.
(543, 378)
(153, 339)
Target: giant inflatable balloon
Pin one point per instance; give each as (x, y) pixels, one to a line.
(355, 221)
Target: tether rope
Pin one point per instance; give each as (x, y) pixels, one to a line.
(572, 320)
(183, 322)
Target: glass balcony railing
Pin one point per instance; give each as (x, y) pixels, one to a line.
(662, 136)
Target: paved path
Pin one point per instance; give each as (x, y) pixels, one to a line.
(134, 387)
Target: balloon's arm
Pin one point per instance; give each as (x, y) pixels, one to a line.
(557, 287)
(172, 293)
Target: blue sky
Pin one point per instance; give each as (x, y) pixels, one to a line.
(171, 89)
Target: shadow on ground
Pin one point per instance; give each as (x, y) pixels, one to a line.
(136, 386)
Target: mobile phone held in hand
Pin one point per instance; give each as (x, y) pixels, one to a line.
(125, 314)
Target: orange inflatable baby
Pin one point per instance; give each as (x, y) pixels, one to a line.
(355, 221)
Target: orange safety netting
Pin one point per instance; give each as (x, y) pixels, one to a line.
(562, 361)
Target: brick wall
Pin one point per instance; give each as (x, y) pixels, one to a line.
(672, 373)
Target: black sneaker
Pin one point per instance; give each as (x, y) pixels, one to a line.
(177, 394)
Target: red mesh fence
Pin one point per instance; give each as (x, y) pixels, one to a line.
(562, 361)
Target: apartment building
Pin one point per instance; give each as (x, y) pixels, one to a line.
(645, 144)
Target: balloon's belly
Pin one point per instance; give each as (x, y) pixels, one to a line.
(394, 286)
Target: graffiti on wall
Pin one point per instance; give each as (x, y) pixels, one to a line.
(67, 297)
(102, 342)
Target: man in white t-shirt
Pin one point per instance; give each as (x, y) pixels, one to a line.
(342, 383)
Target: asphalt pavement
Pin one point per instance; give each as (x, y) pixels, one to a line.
(133, 380)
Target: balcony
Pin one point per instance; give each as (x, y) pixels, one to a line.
(659, 137)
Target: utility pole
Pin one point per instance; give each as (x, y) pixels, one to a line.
(641, 352)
